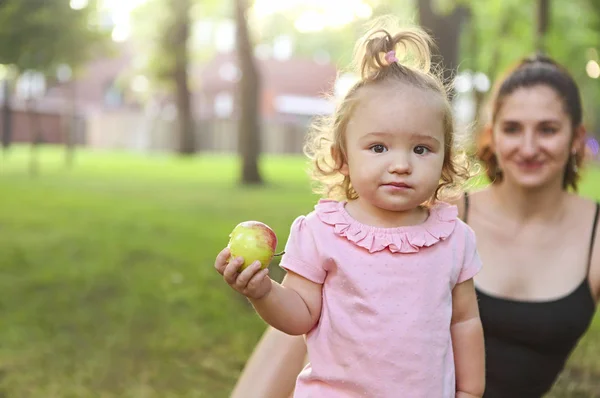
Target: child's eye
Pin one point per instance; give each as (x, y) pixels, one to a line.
(510, 129)
(548, 130)
(378, 148)
(420, 150)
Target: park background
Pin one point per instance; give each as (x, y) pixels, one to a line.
(137, 133)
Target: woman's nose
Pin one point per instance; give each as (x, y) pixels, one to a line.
(529, 144)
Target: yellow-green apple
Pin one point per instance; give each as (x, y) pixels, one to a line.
(252, 240)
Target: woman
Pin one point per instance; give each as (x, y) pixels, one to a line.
(541, 278)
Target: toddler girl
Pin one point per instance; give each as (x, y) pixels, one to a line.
(379, 275)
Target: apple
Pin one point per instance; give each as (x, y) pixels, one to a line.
(252, 240)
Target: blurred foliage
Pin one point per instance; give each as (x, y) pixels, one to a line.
(152, 22)
(501, 32)
(41, 35)
(334, 44)
(495, 36)
(508, 28)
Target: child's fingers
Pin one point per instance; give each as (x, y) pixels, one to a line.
(247, 274)
(231, 270)
(257, 279)
(221, 260)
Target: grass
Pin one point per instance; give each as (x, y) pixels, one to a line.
(106, 279)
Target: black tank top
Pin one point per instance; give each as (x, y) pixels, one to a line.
(528, 342)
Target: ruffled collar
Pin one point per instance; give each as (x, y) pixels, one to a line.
(409, 239)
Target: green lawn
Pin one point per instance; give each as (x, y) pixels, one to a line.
(106, 280)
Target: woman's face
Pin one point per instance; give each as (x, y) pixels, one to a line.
(533, 137)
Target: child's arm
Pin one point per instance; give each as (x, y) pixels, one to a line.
(293, 307)
(467, 342)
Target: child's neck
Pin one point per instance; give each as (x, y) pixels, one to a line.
(368, 214)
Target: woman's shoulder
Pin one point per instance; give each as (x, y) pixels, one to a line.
(582, 210)
(582, 202)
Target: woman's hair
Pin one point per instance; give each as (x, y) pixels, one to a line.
(537, 70)
(382, 56)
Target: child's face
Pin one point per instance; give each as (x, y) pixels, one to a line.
(395, 146)
(533, 137)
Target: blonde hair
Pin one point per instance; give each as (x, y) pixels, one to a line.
(326, 145)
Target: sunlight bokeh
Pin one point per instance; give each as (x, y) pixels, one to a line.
(120, 12)
(316, 15)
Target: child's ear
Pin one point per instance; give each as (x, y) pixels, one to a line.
(344, 169)
(339, 160)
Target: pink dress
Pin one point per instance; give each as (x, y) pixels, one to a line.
(384, 329)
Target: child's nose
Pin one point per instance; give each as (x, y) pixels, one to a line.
(400, 165)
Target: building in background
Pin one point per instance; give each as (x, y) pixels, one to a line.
(111, 116)
(293, 91)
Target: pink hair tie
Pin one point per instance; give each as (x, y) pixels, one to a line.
(390, 57)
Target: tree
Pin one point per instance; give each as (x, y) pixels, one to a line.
(542, 24)
(248, 97)
(508, 30)
(6, 114)
(446, 27)
(161, 35)
(42, 35)
(177, 37)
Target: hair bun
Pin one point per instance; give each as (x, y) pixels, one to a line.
(380, 49)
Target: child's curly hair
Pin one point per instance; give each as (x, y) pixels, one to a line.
(326, 146)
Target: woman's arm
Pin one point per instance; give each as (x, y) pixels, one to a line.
(273, 367)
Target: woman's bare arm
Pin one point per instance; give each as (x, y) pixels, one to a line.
(273, 367)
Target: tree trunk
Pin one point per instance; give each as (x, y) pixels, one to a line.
(180, 35)
(70, 139)
(6, 117)
(496, 55)
(446, 30)
(35, 134)
(543, 11)
(249, 99)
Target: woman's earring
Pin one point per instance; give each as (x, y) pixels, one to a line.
(498, 169)
(574, 162)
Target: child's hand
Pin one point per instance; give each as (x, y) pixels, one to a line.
(253, 282)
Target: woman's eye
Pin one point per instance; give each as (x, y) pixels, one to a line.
(378, 148)
(420, 150)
